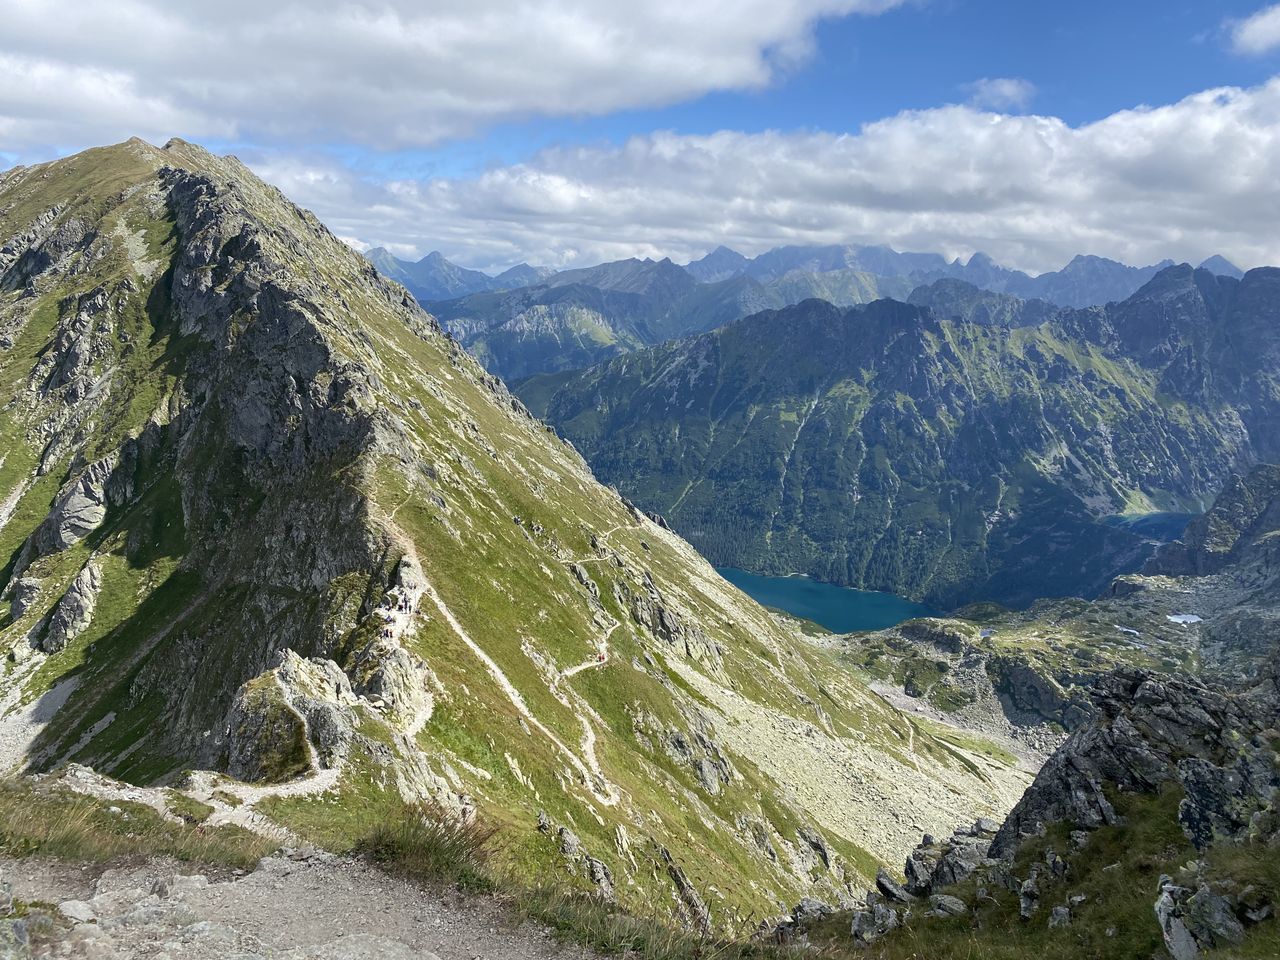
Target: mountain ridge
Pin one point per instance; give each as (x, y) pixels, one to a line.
(761, 440)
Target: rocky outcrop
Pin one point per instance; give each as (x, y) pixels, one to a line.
(74, 611)
(1217, 748)
(694, 747)
(1153, 731)
(1036, 692)
(1246, 511)
(682, 636)
(22, 596)
(695, 908)
(77, 512)
(576, 856)
(292, 720)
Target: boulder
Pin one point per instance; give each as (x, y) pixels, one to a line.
(1191, 922)
(873, 923)
(74, 612)
(945, 905)
(919, 874)
(77, 911)
(890, 889)
(960, 861)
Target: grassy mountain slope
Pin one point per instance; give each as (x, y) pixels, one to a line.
(948, 461)
(260, 515)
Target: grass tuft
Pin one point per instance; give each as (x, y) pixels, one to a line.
(429, 845)
(606, 929)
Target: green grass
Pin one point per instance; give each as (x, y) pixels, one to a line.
(427, 844)
(49, 822)
(187, 808)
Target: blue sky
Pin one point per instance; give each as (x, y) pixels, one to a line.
(569, 131)
(1086, 60)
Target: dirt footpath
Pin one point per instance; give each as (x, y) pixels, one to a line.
(297, 906)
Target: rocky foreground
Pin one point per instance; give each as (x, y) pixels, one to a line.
(299, 905)
(1197, 768)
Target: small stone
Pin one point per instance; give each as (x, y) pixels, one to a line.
(77, 911)
(944, 905)
(173, 886)
(1060, 917)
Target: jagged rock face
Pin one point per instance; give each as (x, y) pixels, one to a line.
(1237, 529)
(1151, 732)
(74, 612)
(944, 460)
(263, 506)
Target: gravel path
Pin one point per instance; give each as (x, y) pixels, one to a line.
(300, 906)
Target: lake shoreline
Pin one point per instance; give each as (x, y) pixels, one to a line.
(835, 608)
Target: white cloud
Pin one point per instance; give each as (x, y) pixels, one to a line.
(390, 73)
(1257, 34)
(1001, 93)
(1186, 180)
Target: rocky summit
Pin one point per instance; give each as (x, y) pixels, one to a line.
(275, 544)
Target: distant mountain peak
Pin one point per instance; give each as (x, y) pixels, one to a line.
(1222, 267)
(722, 263)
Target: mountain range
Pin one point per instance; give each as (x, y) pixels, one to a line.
(925, 450)
(528, 321)
(1085, 281)
(435, 278)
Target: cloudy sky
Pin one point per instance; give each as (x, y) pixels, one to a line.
(571, 131)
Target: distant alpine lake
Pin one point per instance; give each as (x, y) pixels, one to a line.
(839, 609)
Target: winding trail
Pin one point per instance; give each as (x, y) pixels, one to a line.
(593, 778)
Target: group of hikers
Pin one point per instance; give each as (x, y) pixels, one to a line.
(402, 605)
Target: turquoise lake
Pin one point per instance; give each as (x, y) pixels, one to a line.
(839, 609)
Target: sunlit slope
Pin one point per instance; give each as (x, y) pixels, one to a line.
(261, 516)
